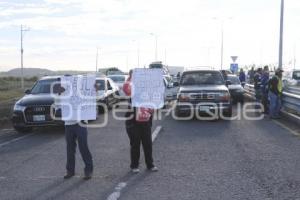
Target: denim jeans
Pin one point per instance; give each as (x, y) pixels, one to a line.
(73, 133)
(275, 104)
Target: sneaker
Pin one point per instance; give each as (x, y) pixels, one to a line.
(153, 169)
(87, 176)
(135, 170)
(69, 175)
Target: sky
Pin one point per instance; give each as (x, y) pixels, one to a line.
(65, 34)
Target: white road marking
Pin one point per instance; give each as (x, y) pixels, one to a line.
(16, 139)
(155, 133)
(117, 191)
(287, 128)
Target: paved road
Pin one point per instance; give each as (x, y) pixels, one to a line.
(197, 160)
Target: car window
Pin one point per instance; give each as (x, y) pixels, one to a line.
(43, 86)
(296, 75)
(118, 79)
(109, 84)
(101, 84)
(234, 80)
(202, 78)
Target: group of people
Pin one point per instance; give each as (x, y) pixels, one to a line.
(138, 127)
(268, 90)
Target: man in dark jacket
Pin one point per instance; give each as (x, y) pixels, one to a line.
(257, 85)
(275, 94)
(242, 77)
(264, 88)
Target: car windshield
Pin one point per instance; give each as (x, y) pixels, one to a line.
(117, 79)
(234, 80)
(296, 75)
(202, 78)
(100, 84)
(43, 86)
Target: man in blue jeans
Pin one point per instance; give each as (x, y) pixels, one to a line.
(275, 94)
(74, 131)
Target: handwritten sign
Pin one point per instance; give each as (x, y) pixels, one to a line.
(78, 102)
(148, 88)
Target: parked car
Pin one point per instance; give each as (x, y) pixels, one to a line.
(206, 87)
(119, 80)
(291, 78)
(107, 94)
(33, 109)
(171, 90)
(235, 88)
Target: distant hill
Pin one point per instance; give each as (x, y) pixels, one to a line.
(28, 72)
(39, 72)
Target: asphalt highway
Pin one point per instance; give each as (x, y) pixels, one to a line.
(219, 159)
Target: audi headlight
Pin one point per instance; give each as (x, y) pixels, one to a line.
(19, 107)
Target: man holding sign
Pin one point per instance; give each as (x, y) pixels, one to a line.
(77, 101)
(146, 89)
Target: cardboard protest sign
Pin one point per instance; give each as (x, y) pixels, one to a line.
(78, 102)
(148, 89)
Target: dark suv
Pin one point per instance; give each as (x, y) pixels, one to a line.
(203, 91)
(34, 108)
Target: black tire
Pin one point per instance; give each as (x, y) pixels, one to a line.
(100, 109)
(20, 129)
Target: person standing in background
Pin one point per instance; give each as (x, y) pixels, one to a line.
(264, 88)
(275, 94)
(257, 86)
(251, 74)
(242, 77)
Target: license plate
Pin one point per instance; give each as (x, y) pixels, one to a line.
(39, 118)
(204, 108)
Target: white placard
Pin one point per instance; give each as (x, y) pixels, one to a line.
(148, 89)
(78, 102)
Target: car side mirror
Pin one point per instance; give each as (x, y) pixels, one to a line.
(228, 82)
(27, 91)
(175, 84)
(109, 88)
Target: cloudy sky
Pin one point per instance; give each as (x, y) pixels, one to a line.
(65, 34)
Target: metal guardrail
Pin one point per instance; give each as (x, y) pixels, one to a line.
(290, 98)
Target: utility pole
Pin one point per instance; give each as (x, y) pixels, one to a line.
(222, 36)
(156, 48)
(22, 51)
(295, 56)
(97, 54)
(281, 34)
(138, 53)
(165, 56)
(222, 44)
